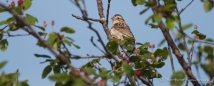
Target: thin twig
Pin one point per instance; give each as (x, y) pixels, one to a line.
(80, 18)
(145, 81)
(185, 8)
(33, 32)
(86, 57)
(96, 45)
(107, 13)
(171, 59)
(17, 35)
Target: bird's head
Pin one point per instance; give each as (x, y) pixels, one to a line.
(117, 18)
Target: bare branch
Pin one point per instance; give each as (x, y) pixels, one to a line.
(175, 49)
(80, 18)
(171, 59)
(185, 7)
(107, 13)
(33, 32)
(104, 24)
(96, 45)
(17, 35)
(145, 81)
(86, 57)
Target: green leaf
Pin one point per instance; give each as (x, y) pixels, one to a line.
(56, 69)
(3, 45)
(95, 60)
(179, 75)
(78, 82)
(195, 32)
(2, 64)
(134, 58)
(187, 26)
(67, 30)
(76, 46)
(170, 24)
(157, 17)
(51, 39)
(159, 52)
(153, 25)
(57, 44)
(69, 38)
(143, 11)
(9, 20)
(208, 49)
(128, 69)
(68, 42)
(162, 41)
(181, 46)
(208, 5)
(1, 36)
(58, 84)
(3, 22)
(90, 70)
(60, 77)
(42, 33)
(148, 19)
(133, 3)
(27, 4)
(201, 36)
(43, 56)
(46, 71)
(158, 64)
(140, 2)
(122, 43)
(40, 27)
(30, 19)
(112, 46)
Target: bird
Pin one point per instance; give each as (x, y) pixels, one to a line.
(120, 29)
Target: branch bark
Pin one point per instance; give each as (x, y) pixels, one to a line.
(175, 50)
(33, 32)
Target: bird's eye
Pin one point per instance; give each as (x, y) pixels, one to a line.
(118, 18)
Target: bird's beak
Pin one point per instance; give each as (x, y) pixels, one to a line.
(112, 18)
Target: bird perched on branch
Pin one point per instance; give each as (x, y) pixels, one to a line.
(120, 29)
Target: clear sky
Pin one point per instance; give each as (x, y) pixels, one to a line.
(21, 49)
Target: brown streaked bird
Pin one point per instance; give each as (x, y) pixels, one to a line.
(119, 28)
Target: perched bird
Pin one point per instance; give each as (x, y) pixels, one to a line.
(120, 29)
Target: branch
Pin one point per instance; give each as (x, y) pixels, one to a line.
(17, 35)
(185, 7)
(175, 50)
(85, 57)
(104, 24)
(145, 81)
(96, 45)
(171, 59)
(33, 32)
(80, 18)
(85, 18)
(107, 13)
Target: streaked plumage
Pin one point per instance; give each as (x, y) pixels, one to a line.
(119, 28)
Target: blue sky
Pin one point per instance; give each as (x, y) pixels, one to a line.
(21, 49)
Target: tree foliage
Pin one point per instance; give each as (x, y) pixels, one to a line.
(127, 67)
